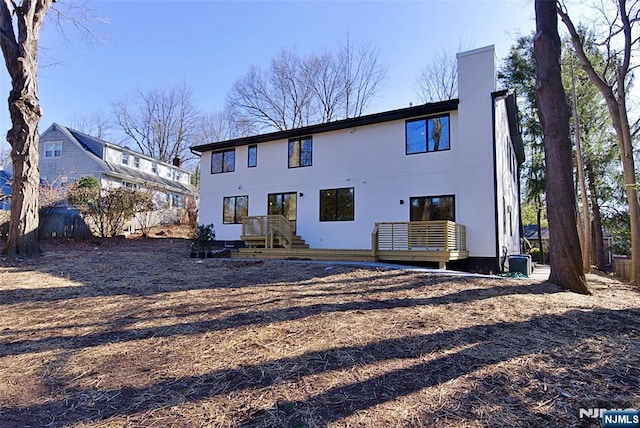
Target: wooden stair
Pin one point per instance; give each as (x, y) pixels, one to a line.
(298, 243)
(304, 254)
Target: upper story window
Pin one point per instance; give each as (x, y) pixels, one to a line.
(154, 168)
(223, 161)
(300, 152)
(53, 149)
(430, 134)
(125, 158)
(176, 175)
(428, 208)
(336, 204)
(252, 161)
(136, 162)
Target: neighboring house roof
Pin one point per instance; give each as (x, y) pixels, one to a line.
(531, 232)
(96, 147)
(369, 119)
(120, 171)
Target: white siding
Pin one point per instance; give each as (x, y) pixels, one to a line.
(508, 204)
(476, 82)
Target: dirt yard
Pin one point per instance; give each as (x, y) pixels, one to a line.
(134, 333)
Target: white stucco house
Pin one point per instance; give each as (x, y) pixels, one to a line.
(383, 181)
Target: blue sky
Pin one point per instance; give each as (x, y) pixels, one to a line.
(210, 44)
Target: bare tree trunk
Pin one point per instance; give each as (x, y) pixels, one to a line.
(539, 220)
(585, 230)
(21, 58)
(566, 257)
(615, 97)
(598, 235)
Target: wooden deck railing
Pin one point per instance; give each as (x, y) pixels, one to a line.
(440, 235)
(267, 230)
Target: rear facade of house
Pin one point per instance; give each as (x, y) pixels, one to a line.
(454, 160)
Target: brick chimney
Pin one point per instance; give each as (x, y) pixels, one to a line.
(177, 162)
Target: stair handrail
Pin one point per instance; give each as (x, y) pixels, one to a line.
(279, 225)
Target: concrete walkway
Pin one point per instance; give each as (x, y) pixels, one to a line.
(541, 273)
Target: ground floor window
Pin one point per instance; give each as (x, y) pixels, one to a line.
(337, 204)
(427, 208)
(234, 209)
(177, 201)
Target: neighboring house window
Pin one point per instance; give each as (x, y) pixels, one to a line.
(234, 209)
(427, 208)
(253, 156)
(176, 201)
(125, 158)
(300, 152)
(427, 135)
(336, 204)
(136, 162)
(224, 161)
(53, 149)
(154, 168)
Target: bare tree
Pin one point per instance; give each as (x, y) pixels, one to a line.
(612, 81)
(277, 99)
(363, 76)
(222, 125)
(96, 124)
(438, 81)
(161, 122)
(298, 91)
(20, 24)
(326, 80)
(566, 256)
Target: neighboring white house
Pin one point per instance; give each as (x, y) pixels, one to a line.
(452, 160)
(67, 155)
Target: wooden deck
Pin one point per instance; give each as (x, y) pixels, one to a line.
(428, 241)
(305, 254)
(424, 241)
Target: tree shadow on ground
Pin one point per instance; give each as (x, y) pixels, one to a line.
(472, 349)
(115, 331)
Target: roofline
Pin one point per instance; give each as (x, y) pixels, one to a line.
(387, 116)
(137, 180)
(116, 147)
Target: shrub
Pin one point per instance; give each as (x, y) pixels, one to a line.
(106, 210)
(202, 237)
(534, 252)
